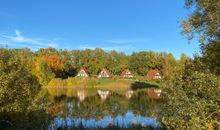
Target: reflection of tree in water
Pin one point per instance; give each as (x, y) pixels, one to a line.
(63, 106)
(116, 104)
(93, 107)
(35, 117)
(140, 103)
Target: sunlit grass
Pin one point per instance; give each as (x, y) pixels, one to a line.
(110, 84)
(70, 86)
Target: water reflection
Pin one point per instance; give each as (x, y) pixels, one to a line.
(81, 95)
(92, 108)
(129, 93)
(122, 121)
(103, 94)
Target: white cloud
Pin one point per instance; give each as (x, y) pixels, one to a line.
(20, 40)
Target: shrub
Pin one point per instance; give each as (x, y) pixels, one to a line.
(192, 101)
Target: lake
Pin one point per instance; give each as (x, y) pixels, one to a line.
(103, 109)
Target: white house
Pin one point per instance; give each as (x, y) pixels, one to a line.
(82, 73)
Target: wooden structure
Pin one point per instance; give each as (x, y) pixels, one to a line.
(104, 73)
(153, 74)
(127, 74)
(82, 73)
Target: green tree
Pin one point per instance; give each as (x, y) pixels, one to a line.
(168, 65)
(117, 62)
(211, 56)
(42, 72)
(192, 95)
(204, 23)
(76, 61)
(18, 86)
(191, 101)
(142, 61)
(68, 64)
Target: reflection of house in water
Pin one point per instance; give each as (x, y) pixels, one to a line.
(129, 93)
(104, 73)
(126, 74)
(81, 95)
(82, 73)
(154, 94)
(153, 74)
(69, 108)
(103, 94)
(158, 91)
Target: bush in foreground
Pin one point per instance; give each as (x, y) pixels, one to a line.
(192, 101)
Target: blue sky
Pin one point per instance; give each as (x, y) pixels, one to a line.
(122, 25)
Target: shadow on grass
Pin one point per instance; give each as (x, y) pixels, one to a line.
(140, 85)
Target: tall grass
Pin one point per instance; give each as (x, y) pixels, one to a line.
(72, 83)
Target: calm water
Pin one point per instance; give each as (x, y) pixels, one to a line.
(103, 109)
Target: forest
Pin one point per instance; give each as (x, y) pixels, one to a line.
(48, 63)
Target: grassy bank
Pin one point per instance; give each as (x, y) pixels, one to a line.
(110, 84)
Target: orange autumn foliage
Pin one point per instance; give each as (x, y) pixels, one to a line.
(54, 62)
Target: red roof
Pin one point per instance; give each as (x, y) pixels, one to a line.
(151, 74)
(106, 71)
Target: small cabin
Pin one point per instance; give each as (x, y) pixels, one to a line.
(153, 74)
(127, 74)
(104, 73)
(82, 73)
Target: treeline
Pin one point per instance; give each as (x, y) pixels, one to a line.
(48, 63)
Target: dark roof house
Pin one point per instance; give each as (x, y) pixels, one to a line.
(153, 74)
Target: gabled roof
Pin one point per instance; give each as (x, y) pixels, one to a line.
(125, 72)
(82, 69)
(106, 71)
(152, 73)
